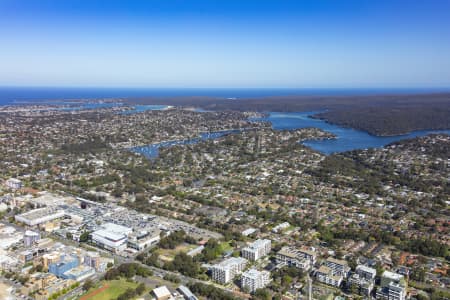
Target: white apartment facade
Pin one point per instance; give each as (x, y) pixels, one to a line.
(254, 279)
(363, 280)
(366, 272)
(225, 271)
(392, 287)
(257, 249)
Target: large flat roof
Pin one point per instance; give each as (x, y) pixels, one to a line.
(116, 228)
(112, 236)
(227, 263)
(366, 269)
(40, 215)
(337, 261)
(258, 243)
(161, 292)
(392, 275)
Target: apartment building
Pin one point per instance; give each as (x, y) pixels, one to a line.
(325, 275)
(257, 249)
(338, 267)
(392, 287)
(254, 279)
(300, 258)
(225, 271)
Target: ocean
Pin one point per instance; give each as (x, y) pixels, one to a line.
(19, 95)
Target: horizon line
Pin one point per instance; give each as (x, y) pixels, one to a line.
(230, 88)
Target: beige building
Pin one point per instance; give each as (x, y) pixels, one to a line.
(302, 258)
(38, 281)
(325, 275)
(50, 258)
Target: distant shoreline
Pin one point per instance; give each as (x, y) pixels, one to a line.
(379, 115)
(18, 95)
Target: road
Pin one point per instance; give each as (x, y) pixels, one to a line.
(183, 279)
(15, 294)
(120, 260)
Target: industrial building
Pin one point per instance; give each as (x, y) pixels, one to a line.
(39, 216)
(186, 292)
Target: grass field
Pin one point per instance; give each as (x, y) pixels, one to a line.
(225, 246)
(108, 290)
(169, 254)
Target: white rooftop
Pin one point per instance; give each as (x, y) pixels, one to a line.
(31, 233)
(6, 259)
(162, 292)
(259, 243)
(366, 269)
(116, 228)
(228, 263)
(248, 231)
(15, 180)
(392, 275)
(252, 273)
(113, 236)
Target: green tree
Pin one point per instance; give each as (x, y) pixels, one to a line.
(262, 294)
(88, 284)
(84, 237)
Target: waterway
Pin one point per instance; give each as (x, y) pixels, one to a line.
(135, 109)
(141, 108)
(151, 151)
(346, 138)
(86, 105)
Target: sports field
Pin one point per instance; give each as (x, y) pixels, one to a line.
(108, 290)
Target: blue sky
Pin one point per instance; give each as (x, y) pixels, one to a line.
(208, 43)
